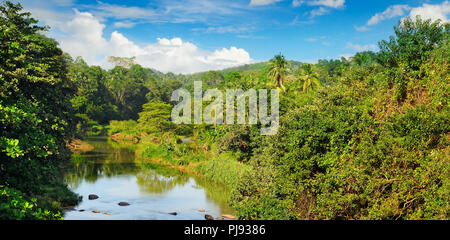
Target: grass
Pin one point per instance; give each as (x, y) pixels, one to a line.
(223, 169)
(194, 157)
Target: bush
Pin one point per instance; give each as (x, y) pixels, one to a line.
(15, 206)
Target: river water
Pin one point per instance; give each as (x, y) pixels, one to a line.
(153, 191)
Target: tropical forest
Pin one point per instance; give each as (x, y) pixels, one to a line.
(365, 137)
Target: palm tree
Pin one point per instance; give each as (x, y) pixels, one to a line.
(309, 78)
(277, 70)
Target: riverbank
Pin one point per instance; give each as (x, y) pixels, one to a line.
(153, 191)
(78, 146)
(188, 155)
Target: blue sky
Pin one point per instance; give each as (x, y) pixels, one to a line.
(185, 36)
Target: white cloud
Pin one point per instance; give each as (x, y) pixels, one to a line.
(324, 8)
(434, 12)
(327, 3)
(224, 29)
(347, 56)
(426, 11)
(123, 12)
(200, 9)
(361, 48)
(297, 3)
(124, 24)
(389, 13)
(49, 17)
(319, 12)
(262, 2)
(84, 37)
(179, 11)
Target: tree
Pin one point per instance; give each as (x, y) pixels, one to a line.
(128, 88)
(155, 117)
(365, 58)
(413, 42)
(212, 78)
(277, 70)
(36, 118)
(310, 79)
(232, 79)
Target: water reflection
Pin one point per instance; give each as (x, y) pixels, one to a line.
(151, 182)
(153, 190)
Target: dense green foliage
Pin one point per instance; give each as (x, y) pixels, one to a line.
(363, 138)
(36, 118)
(359, 138)
(358, 151)
(155, 117)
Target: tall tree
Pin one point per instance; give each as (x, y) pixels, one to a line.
(413, 41)
(309, 78)
(278, 68)
(155, 117)
(36, 117)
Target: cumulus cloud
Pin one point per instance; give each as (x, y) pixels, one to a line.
(434, 12)
(84, 37)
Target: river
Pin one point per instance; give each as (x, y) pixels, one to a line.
(153, 192)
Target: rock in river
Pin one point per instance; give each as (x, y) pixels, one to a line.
(123, 204)
(229, 216)
(173, 213)
(92, 196)
(209, 217)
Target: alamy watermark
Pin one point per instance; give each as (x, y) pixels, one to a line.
(213, 112)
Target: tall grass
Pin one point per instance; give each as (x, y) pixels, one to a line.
(223, 169)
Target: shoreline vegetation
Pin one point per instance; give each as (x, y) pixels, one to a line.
(359, 138)
(182, 154)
